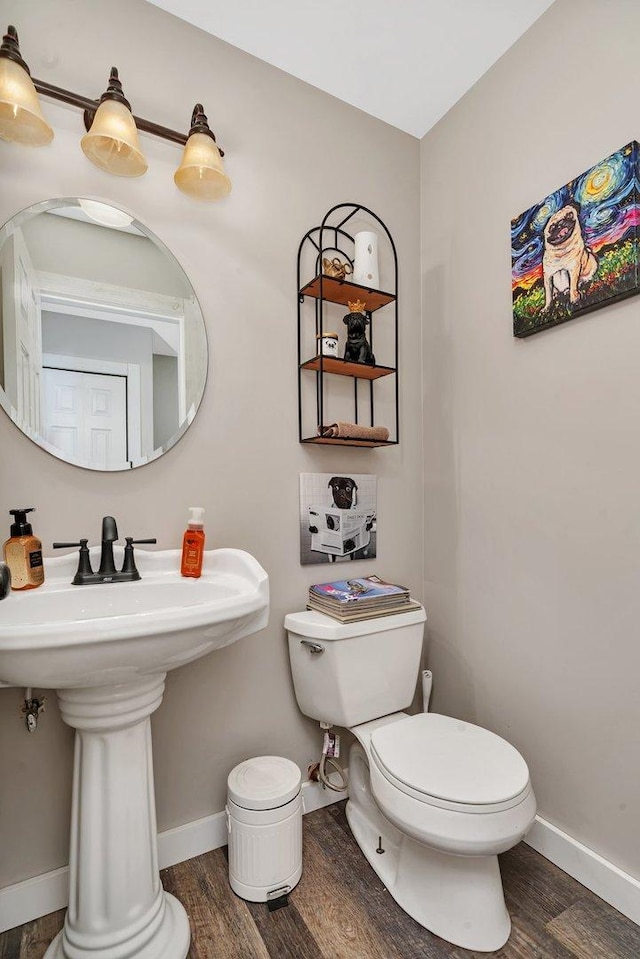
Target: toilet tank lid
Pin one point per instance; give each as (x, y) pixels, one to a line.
(316, 625)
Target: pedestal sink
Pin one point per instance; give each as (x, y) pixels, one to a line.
(107, 649)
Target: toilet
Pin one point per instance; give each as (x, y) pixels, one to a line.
(432, 800)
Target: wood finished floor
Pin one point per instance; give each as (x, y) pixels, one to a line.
(340, 910)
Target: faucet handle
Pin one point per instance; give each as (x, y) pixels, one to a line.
(84, 561)
(129, 564)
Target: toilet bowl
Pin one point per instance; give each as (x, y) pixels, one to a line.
(440, 855)
(432, 799)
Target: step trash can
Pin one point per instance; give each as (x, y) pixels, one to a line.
(264, 822)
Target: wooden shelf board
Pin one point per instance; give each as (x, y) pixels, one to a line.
(337, 441)
(341, 291)
(332, 364)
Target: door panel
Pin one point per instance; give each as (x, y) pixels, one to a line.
(89, 412)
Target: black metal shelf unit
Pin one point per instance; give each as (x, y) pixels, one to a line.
(330, 238)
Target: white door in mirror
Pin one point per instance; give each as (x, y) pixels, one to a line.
(85, 417)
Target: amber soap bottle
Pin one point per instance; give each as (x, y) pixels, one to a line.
(193, 544)
(23, 552)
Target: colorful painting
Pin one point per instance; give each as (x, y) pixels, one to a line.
(578, 249)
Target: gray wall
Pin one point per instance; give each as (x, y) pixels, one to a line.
(292, 153)
(532, 526)
(72, 248)
(165, 398)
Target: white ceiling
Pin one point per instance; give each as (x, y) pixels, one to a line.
(403, 61)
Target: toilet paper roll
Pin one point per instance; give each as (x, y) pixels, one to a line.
(365, 265)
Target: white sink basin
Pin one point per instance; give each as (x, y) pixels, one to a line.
(61, 636)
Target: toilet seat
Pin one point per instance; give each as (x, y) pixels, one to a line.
(450, 763)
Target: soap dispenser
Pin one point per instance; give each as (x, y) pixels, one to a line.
(193, 544)
(23, 552)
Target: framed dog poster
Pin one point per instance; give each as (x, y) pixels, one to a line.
(577, 250)
(337, 517)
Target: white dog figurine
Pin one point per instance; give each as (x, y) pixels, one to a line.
(567, 262)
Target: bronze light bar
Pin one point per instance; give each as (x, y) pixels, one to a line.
(90, 107)
(111, 141)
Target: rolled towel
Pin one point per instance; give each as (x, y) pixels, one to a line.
(354, 431)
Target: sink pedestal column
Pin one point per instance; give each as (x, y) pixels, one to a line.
(117, 906)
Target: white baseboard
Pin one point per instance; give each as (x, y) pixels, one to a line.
(33, 898)
(28, 900)
(36, 897)
(616, 887)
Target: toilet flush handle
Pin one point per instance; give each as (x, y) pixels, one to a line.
(314, 648)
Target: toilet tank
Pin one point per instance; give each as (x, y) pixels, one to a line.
(349, 673)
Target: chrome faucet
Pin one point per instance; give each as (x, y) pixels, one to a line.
(107, 572)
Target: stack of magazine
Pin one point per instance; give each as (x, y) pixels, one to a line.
(350, 600)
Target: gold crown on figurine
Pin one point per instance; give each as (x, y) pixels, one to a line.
(357, 306)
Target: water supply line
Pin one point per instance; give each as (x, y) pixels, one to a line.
(328, 765)
(323, 775)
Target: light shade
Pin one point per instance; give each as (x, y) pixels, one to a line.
(112, 142)
(21, 119)
(201, 172)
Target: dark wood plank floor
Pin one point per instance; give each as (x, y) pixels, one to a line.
(340, 910)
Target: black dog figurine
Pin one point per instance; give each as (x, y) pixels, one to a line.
(357, 348)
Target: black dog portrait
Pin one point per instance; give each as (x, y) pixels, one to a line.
(343, 490)
(344, 494)
(337, 517)
(357, 348)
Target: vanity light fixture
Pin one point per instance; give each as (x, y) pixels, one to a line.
(21, 119)
(111, 141)
(201, 173)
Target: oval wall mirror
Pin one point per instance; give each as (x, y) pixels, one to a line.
(103, 348)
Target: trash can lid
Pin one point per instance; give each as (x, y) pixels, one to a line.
(264, 782)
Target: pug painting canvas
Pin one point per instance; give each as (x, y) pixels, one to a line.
(578, 249)
(567, 262)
